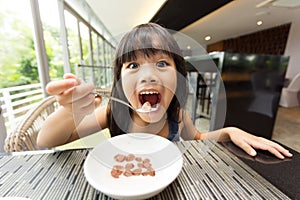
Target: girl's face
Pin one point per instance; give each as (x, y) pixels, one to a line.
(149, 79)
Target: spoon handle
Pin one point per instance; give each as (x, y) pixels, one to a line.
(141, 110)
(97, 93)
(122, 102)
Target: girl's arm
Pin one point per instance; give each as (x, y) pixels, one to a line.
(57, 129)
(70, 121)
(62, 127)
(244, 140)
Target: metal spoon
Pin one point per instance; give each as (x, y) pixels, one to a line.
(140, 110)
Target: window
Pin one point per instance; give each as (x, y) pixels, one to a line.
(95, 53)
(18, 58)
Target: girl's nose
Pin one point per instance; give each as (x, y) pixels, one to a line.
(148, 74)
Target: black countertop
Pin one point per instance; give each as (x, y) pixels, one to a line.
(284, 174)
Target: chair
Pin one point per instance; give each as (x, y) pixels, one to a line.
(205, 84)
(290, 95)
(23, 138)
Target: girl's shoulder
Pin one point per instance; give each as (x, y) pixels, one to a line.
(182, 115)
(187, 128)
(184, 118)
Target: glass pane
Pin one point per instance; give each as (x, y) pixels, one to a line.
(84, 33)
(51, 28)
(109, 64)
(95, 48)
(18, 64)
(73, 41)
(101, 51)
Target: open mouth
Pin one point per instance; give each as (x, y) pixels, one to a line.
(153, 97)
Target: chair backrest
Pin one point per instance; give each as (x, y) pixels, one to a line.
(295, 83)
(23, 138)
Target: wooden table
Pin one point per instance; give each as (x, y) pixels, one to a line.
(210, 171)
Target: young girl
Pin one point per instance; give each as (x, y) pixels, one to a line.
(148, 70)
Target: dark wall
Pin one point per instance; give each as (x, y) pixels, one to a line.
(270, 41)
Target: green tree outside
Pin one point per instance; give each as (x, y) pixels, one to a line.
(18, 64)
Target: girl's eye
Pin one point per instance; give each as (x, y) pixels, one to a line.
(133, 66)
(162, 64)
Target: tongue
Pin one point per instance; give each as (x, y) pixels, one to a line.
(151, 98)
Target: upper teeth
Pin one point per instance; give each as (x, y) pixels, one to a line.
(149, 92)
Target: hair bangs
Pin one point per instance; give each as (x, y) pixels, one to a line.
(146, 40)
(132, 55)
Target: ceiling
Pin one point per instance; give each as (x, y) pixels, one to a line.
(221, 19)
(119, 16)
(177, 14)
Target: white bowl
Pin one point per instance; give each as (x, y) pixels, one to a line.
(165, 157)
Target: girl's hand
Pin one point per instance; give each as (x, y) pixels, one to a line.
(74, 95)
(250, 142)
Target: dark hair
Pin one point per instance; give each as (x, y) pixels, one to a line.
(149, 39)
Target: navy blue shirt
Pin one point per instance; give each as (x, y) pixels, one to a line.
(173, 131)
